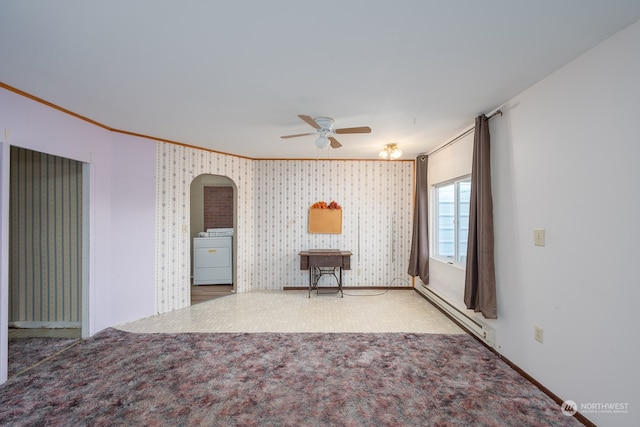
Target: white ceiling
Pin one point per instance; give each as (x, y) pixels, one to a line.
(232, 76)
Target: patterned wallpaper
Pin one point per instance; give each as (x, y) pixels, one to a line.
(272, 211)
(376, 200)
(177, 166)
(45, 239)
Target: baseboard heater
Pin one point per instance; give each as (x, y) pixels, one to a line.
(481, 330)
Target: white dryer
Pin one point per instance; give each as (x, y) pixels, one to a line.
(213, 257)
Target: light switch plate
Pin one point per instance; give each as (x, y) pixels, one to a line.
(538, 236)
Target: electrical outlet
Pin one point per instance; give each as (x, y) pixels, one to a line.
(359, 271)
(538, 334)
(538, 236)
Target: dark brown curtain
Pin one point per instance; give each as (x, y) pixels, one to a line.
(419, 258)
(480, 280)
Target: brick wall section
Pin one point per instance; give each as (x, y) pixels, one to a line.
(218, 207)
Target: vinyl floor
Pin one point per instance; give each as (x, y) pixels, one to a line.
(370, 310)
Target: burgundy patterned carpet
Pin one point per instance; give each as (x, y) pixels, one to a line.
(27, 352)
(120, 378)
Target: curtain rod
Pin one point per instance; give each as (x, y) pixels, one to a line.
(463, 134)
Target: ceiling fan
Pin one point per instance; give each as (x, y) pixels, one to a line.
(325, 131)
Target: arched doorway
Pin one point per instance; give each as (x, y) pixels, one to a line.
(213, 207)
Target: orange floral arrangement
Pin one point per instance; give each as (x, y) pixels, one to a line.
(323, 205)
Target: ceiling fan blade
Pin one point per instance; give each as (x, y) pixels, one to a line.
(309, 120)
(298, 134)
(361, 129)
(334, 142)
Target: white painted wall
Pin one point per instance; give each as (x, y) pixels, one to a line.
(121, 187)
(133, 202)
(4, 259)
(565, 158)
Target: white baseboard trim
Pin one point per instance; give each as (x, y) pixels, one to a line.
(44, 325)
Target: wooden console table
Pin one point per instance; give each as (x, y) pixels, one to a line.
(324, 261)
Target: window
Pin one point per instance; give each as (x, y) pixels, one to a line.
(452, 220)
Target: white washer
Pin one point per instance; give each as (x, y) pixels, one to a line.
(213, 257)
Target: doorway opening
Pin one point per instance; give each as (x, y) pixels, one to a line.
(48, 254)
(213, 242)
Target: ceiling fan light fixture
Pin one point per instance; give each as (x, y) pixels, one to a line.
(390, 151)
(326, 132)
(322, 141)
